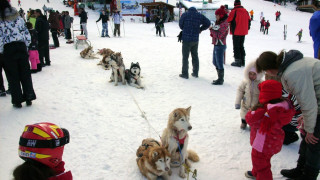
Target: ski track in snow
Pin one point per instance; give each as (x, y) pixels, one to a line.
(105, 124)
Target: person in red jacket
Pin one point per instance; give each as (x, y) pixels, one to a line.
(266, 121)
(41, 146)
(262, 25)
(266, 27)
(240, 22)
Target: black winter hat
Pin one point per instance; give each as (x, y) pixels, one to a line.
(237, 2)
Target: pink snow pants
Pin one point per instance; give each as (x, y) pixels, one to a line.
(261, 166)
(34, 58)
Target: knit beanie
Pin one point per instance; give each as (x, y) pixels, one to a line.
(269, 90)
(221, 11)
(237, 2)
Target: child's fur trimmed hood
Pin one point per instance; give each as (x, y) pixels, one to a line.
(247, 69)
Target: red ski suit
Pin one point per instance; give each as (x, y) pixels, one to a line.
(266, 136)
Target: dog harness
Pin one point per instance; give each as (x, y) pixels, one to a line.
(181, 141)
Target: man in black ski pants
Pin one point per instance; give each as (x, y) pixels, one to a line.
(192, 23)
(42, 27)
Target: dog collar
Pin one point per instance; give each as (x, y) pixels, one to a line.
(181, 141)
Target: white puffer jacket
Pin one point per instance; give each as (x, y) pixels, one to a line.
(248, 92)
(13, 28)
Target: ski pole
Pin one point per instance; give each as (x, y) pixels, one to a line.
(98, 28)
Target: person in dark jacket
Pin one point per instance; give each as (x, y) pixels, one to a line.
(13, 46)
(67, 25)
(314, 27)
(159, 26)
(104, 16)
(83, 21)
(42, 27)
(192, 23)
(54, 27)
(240, 22)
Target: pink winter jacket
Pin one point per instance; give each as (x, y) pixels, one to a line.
(266, 123)
(220, 34)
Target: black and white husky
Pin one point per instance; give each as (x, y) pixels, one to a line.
(133, 76)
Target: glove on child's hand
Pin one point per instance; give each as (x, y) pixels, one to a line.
(237, 106)
(216, 27)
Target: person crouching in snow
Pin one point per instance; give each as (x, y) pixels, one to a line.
(219, 33)
(41, 147)
(266, 121)
(33, 49)
(248, 92)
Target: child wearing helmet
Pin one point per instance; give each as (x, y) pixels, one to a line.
(41, 147)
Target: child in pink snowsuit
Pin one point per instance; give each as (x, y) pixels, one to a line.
(266, 121)
(33, 48)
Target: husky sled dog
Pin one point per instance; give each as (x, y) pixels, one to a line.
(153, 160)
(106, 53)
(118, 68)
(177, 133)
(88, 53)
(133, 76)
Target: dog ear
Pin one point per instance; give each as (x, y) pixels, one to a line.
(188, 109)
(175, 114)
(154, 154)
(137, 63)
(131, 63)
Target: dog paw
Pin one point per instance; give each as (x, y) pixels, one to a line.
(124, 83)
(115, 84)
(182, 174)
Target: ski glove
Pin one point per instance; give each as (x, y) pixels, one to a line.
(180, 37)
(216, 27)
(237, 106)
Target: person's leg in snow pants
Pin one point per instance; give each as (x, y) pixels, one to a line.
(261, 166)
(17, 66)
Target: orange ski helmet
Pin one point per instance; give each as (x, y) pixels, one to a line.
(43, 142)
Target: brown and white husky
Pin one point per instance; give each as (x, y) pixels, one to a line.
(177, 133)
(153, 160)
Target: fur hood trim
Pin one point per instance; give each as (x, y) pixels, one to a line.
(247, 70)
(10, 15)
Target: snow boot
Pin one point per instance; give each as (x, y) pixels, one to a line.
(309, 174)
(194, 75)
(183, 76)
(220, 79)
(290, 137)
(243, 63)
(243, 124)
(236, 63)
(295, 172)
(248, 174)
(3, 93)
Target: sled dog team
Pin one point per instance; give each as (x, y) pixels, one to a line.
(114, 61)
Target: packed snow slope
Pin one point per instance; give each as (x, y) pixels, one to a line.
(105, 124)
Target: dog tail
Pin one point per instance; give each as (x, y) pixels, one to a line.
(193, 156)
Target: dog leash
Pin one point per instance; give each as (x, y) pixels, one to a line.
(143, 114)
(194, 173)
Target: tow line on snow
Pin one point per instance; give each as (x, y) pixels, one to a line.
(143, 114)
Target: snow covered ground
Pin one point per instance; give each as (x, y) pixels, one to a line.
(105, 124)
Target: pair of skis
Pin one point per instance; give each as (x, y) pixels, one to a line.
(285, 31)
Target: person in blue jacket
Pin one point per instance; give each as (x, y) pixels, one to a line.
(192, 23)
(314, 28)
